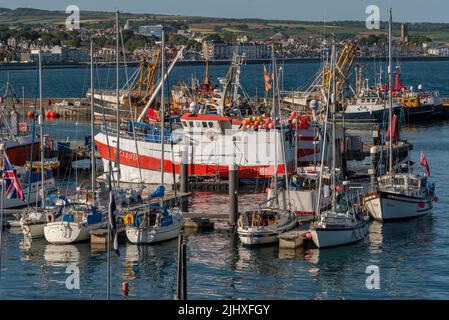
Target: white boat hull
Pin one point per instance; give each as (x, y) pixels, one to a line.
(333, 237)
(256, 235)
(154, 234)
(252, 237)
(69, 232)
(14, 224)
(33, 230)
(389, 206)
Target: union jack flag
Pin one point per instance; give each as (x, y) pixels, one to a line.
(10, 181)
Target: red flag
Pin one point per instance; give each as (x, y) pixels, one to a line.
(424, 163)
(398, 84)
(395, 136)
(152, 114)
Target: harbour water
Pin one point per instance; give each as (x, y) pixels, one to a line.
(56, 84)
(412, 256)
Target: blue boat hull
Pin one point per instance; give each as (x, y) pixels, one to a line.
(366, 117)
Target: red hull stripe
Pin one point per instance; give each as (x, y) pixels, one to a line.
(154, 164)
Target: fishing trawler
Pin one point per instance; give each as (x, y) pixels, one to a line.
(368, 107)
(417, 105)
(133, 95)
(211, 142)
(213, 136)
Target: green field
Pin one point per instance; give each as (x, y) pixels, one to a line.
(255, 28)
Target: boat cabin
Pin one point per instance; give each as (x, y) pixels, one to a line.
(409, 184)
(258, 218)
(203, 122)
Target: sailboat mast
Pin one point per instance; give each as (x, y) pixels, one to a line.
(334, 151)
(162, 105)
(92, 120)
(41, 133)
(275, 175)
(117, 78)
(390, 94)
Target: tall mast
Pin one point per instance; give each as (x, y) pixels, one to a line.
(41, 133)
(162, 104)
(206, 75)
(390, 93)
(275, 175)
(334, 150)
(117, 152)
(92, 120)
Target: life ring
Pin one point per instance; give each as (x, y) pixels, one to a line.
(49, 217)
(128, 219)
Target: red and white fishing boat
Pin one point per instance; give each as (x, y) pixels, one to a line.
(212, 143)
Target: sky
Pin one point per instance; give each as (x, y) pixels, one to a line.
(305, 10)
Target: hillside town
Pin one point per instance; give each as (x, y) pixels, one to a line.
(19, 44)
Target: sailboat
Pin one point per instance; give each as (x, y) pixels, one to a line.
(154, 223)
(345, 222)
(76, 224)
(33, 221)
(399, 195)
(263, 226)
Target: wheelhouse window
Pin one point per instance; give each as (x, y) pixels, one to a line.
(413, 182)
(204, 124)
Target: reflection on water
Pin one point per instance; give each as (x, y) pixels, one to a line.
(61, 255)
(292, 253)
(153, 267)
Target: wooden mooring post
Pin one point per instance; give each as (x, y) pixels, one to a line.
(233, 194)
(181, 283)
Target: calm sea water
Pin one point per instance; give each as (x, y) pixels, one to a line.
(412, 256)
(74, 82)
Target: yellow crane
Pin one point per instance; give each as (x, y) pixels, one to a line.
(343, 68)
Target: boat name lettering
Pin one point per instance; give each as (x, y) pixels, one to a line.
(128, 155)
